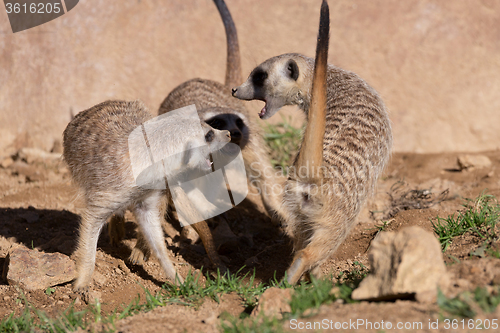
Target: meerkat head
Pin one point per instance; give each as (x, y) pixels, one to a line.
(279, 81)
(229, 120)
(197, 154)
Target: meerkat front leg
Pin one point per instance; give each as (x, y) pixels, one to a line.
(201, 227)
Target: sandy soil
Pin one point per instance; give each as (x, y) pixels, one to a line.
(45, 188)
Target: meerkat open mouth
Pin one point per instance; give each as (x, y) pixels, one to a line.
(263, 112)
(209, 163)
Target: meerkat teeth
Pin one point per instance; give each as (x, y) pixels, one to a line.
(262, 112)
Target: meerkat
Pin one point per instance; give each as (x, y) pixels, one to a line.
(346, 145)
(218, 108)
(98, 152)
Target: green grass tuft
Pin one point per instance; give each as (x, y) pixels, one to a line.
(479, 216)
(283, 140)
(252, 325)
(462, 304)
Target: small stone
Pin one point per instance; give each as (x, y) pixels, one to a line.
(6, 162)
(99, 278)
(274, 302)
(33, 270)
(31, 155)
(468, 162)
(6, 298)
(91, 297)
(118, 271)
(124, 267)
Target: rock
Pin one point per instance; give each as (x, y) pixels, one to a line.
(403, 264)
(274, 302)
(31, 173)
(469, 162)
(91, 297)
(33, 270)
(6, 162)
(31, 155)
(99, 278)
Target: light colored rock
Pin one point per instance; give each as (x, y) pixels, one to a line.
(468, 162)
(33, 270)
(274, 302)
(403, 263)
(6, 162)
(31, 155)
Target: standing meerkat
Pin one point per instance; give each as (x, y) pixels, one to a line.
(346, 145)
(218, 108)
(99, 153)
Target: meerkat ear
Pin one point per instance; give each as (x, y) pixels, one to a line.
(292, 69)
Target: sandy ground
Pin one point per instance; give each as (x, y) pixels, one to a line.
(45, 188)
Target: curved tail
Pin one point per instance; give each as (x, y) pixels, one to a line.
(311, 152)
(233, 66)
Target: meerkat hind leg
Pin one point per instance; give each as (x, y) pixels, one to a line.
(93, 219)
(148, 214)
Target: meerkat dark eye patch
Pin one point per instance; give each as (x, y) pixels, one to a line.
(217, 123)
(292, 69)
(258, 77)
(240, 123)
(209, 137)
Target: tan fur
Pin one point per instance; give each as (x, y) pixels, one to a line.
(96, 149)
(320, 208)
(219, 109)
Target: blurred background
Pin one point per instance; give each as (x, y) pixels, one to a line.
(435, 63)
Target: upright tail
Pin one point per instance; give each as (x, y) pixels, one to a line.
(311, 151)
(233, 66)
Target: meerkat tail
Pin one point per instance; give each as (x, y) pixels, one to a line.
(311, 152)
(233, 66)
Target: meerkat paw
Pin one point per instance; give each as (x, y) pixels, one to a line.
(81, 285)
(138, 257)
